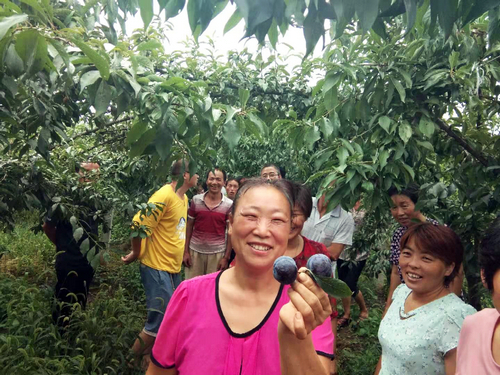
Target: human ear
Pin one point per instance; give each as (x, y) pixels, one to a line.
(483, 279)
(449, 269)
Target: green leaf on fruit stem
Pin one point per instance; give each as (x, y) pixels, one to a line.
(367, 11)
(333, 287)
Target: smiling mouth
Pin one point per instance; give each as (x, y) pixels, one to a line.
(413, 276)
(260, 247)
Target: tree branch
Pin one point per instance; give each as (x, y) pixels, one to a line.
(476, 154)
(92, 131)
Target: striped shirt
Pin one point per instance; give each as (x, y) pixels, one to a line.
(209, 230)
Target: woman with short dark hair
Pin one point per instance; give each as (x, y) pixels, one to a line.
(419, 333)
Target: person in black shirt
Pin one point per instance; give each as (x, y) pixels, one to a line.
(73, 270)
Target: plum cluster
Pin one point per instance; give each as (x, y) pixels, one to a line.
(285, 270)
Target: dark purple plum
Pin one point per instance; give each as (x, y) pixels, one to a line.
(320, 265)
(285, 270)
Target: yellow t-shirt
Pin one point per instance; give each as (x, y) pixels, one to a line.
(164, 248)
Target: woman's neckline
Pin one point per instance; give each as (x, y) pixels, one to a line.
(405, 315)
(223, 318)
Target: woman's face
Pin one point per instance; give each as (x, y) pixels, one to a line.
(403, 210)
(422, 271)
(260, 227)
(298, 220)
(495, 294)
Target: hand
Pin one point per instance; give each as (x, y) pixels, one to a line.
(129, 258)
(308, 308)
(187, 260)
(223, 264)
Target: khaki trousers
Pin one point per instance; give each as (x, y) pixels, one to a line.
(202, 264)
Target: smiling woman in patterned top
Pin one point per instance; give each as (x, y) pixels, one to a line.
(419, 333)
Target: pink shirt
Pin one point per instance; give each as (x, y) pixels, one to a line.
(474, 346)
(195, 338)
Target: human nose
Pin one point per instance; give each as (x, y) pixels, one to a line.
(261, 228)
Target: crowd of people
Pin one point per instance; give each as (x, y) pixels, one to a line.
(228, 238)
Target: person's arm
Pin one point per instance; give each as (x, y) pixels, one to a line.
(224, 262)
(450, 362)
(155, 370)
(379, 366)
(50, 231)
(395, 282)
(308, 308)
(189, 231)
(134, 253)
(335, 249)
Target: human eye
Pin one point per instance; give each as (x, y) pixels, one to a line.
(427, 258)
(250, 216)
(406, 253)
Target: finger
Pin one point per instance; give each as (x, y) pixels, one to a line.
(311, 315)
(306, 283)
(299, 326)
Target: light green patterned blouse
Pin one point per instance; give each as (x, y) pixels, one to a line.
(416, 343)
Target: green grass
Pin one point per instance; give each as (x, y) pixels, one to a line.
(97, 341)
(357, 345)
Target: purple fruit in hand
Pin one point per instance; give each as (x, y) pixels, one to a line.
(285, 270)
(320, 265)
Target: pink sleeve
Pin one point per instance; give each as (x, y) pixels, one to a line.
(322, 338)
(163, 353)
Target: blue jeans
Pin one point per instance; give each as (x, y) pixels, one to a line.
(159, 287)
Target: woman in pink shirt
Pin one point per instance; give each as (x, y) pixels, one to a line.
(479, 344)
(242, 321)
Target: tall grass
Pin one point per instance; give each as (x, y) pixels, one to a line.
(97, 340)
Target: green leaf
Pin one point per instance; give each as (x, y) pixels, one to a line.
(411, 12)
(88, 79)
(399, 87)
(13, 61)
(32, 49)
(409, 170)
(426, 126)
(150, 45)
(84, 246)
(146, 7)
(333, 287)
(342, 155)
(260, 125)
(173, 8)
(273, 33)
(494, 26)
(100, 62)
(426, 145)
(313, 30)
(312, 135)
(405, 131)
(231, 134)
(478, 8)
(326, 126)
(77, 234)
(367, 11)
(233, 21)
(138, 128)
(144, 141)
(382, 158)
(367, 186)
(385, 123)
(446, 11)
(102, 98)
(8, 22)
(244, 95)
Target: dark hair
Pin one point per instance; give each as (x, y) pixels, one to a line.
(489, 252)
(233, 179)
(271, 165)
(439, 241)
(302, 198)
(411, 191)
(177, 167)
(282, 172)
(283, 186)
(224, 175)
